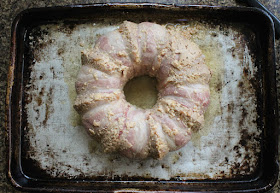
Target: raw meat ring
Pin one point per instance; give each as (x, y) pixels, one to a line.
(143, 49)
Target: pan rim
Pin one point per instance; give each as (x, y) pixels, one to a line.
(14, 179)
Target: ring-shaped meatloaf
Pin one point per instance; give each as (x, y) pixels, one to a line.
(143, 49)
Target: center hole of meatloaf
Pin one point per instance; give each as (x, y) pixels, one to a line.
(141, 91)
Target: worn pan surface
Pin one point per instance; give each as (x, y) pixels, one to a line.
(236, 150)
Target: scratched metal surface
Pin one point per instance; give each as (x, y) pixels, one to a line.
(227, 147)
(10, 8)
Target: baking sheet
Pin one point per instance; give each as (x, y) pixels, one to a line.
(35, 162)
(227, 147)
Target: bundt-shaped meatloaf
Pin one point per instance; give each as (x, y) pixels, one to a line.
(134, 50)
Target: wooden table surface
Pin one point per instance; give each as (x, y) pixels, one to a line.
(10, 8)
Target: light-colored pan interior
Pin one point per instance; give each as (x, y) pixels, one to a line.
(227, 146)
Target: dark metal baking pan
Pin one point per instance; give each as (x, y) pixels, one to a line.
(254, 27)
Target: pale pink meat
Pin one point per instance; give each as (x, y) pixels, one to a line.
(91, 79)
(143, 49)
(137, 134)
(189, 95)
(152, 40)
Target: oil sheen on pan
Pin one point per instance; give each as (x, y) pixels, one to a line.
(228, 146)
